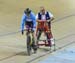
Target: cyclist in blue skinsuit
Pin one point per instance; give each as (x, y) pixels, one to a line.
(28, 21)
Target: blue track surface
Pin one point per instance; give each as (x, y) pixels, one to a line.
(64, 56)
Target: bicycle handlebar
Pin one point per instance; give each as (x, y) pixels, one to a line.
(26, 29)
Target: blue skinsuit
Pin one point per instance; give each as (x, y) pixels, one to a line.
(26, 18)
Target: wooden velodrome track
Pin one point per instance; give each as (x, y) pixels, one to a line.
(12, 43)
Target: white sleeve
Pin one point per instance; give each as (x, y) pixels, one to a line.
(50, 14)
(37, 16)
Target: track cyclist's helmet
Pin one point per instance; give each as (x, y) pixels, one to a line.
(27, 11)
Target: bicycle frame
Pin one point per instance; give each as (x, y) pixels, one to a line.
(29, 33)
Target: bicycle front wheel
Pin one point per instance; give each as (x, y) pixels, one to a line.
(29, 45)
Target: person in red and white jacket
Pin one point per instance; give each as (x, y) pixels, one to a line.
(44, 15)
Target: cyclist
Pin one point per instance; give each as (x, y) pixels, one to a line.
(44, 15)
(29, 21)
